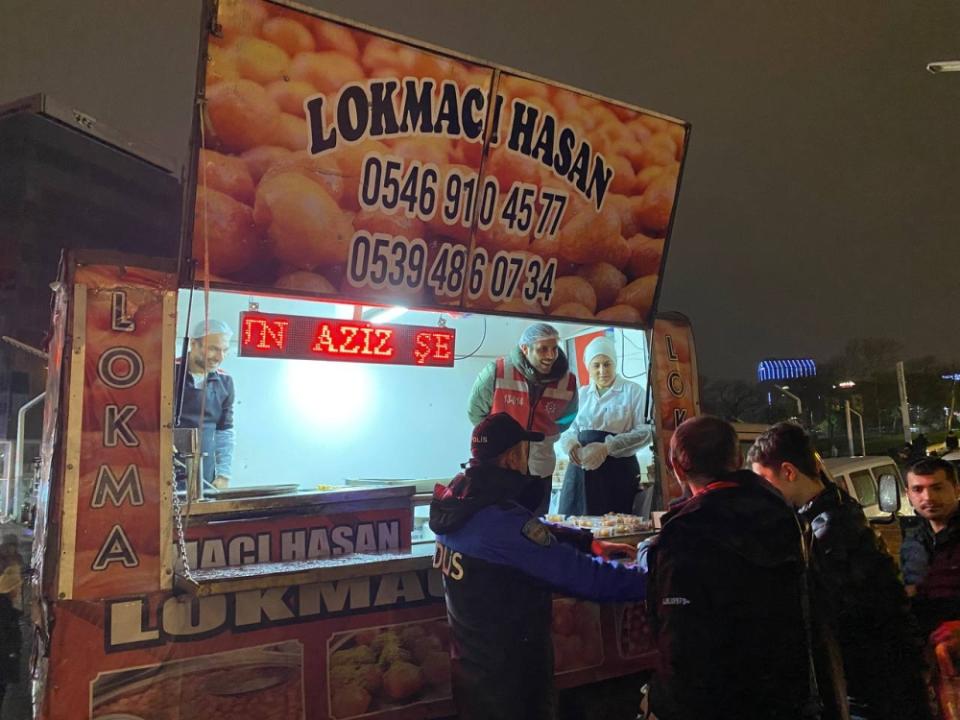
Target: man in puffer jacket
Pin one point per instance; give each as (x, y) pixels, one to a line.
(856, 587)
(500, 567)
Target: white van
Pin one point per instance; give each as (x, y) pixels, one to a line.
(860, 476)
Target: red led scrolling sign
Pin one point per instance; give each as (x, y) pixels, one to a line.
(297, 337)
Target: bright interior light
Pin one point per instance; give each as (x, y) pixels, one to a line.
(847, 384)
(389, 314)
(335, 397)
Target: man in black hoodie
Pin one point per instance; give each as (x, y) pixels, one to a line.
(727, 591)
(500, 566)
(856, 586)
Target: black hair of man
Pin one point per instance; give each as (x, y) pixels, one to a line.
(785, 442)
(705, 446)
(927, 467)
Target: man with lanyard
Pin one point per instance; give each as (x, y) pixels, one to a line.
(208, 389)
(535, 387)
(726, 591)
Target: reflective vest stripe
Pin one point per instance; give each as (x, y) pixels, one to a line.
(511, 395)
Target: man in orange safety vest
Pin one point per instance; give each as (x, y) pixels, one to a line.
(533, 385)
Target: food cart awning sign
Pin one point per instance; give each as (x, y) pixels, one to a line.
(342, 163)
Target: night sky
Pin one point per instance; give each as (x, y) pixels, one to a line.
(819, 198)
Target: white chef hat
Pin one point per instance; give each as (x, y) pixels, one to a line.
(538, 332)
(210, 327)
(602, 345)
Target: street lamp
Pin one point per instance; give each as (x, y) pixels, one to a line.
(863, 443)
(848, 410)
(953, 397)
(939, 66)
(786, 391)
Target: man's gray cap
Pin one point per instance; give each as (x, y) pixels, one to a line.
(210, 327)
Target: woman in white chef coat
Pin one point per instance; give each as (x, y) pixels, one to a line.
(604, 438)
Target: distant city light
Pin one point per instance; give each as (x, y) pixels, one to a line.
(951, 376)
(847, 384)
(792, 369)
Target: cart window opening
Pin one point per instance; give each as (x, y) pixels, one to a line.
(310, 423)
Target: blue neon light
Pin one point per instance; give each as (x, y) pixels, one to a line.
(789, 369)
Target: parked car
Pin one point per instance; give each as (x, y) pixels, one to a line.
(860, 476)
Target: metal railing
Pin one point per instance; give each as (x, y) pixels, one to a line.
(12, 490)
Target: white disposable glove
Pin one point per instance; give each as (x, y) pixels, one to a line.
(575, 454)
(593, 455)
(571, 446)
(568, 443)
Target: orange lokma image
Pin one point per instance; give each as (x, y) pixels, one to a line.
(316, 132)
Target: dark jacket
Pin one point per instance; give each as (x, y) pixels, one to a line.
(726, 592)
(10, 644)
(500, 567)
(931, 561)
(216, 435)
(857, 589)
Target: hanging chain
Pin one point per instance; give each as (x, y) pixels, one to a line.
(181, 534)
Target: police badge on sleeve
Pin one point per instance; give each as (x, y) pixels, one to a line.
(536, 532)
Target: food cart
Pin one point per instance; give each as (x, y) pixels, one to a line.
(344, 177)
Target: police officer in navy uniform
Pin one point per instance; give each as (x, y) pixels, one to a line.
(500, 567)
(209, 389)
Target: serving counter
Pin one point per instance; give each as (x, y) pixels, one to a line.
(347, 610)
(317, 502)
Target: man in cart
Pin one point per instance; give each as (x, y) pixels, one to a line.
(500, 567)
(207, 388)
(535, 387)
